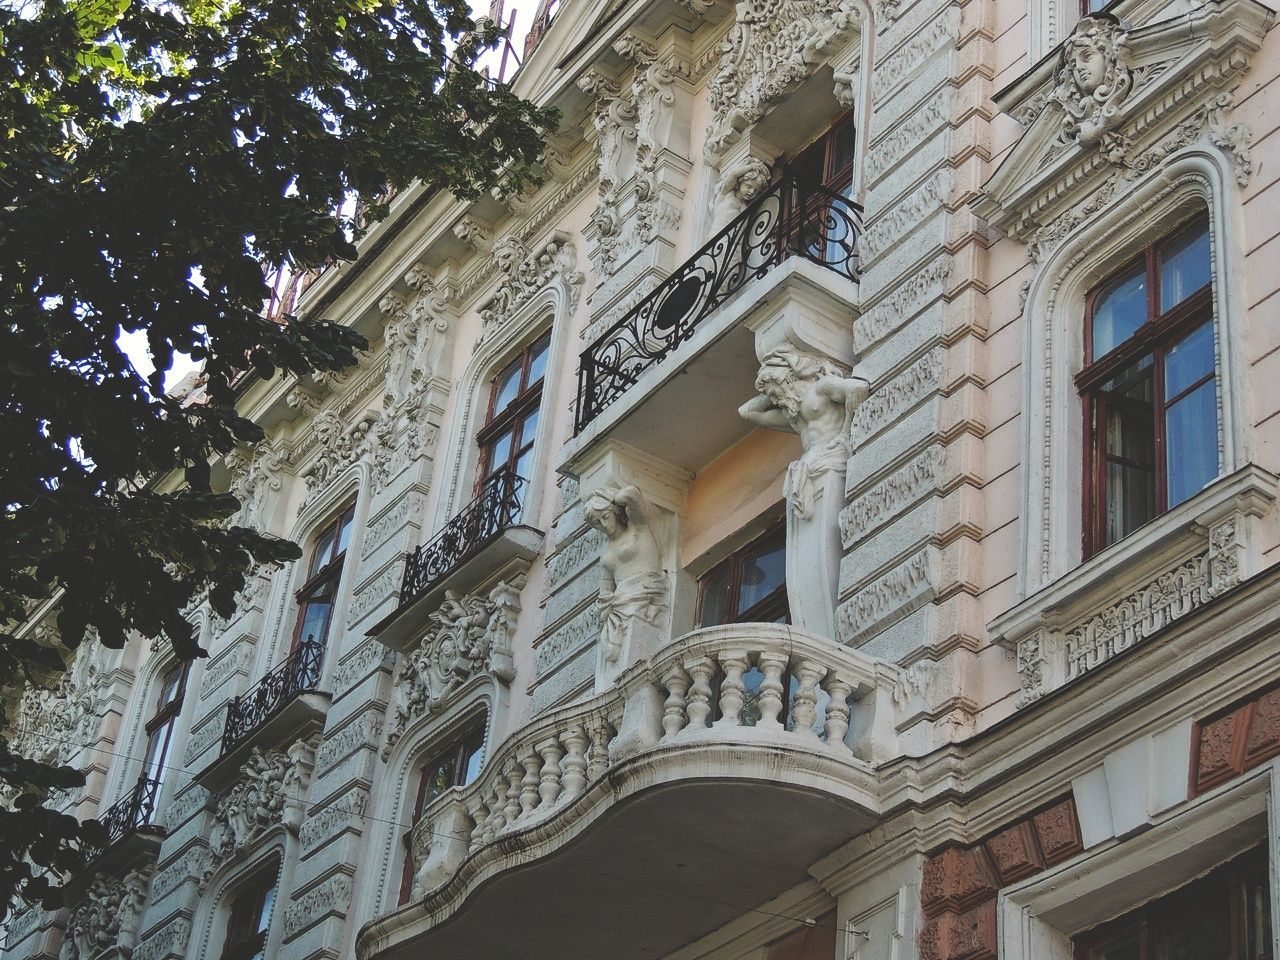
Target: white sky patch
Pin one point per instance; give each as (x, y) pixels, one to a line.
(135, 348)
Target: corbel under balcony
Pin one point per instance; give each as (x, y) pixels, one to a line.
(486, 538)
(1125, 595)
(284, 706)
(668, 377)
(708, 779)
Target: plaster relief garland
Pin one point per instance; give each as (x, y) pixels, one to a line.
(773, 45)
(468, 635)
(270, 791)
(107, 916)
(526, 272)
(340, 446)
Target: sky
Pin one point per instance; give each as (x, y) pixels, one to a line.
(134, 345)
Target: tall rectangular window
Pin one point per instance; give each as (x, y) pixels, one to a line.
(163, 723)
(250, 920)
(1149, 388)
(324, 573)
(511, 426)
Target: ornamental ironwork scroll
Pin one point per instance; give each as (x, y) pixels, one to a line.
(495, 508)
(300, 673)
(793, 218)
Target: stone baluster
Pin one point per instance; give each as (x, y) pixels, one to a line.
(601, 734)
(574, 766)
(515, 777)
(532, 764)
(676, 683)
(549, 788)
(497, 805)
(478, 810)
(774, 668)
(805, 711)
(734, 664)
(837, 721)
(699, 705)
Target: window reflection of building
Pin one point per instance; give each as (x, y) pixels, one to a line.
(748, 586)
(1149, 388)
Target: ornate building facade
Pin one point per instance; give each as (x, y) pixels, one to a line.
(832, 517)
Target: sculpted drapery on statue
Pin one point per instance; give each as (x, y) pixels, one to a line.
(634, 589)
(814, 398)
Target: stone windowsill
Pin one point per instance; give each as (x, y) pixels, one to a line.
(1172, 566)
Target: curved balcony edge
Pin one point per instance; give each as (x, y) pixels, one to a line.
(746, 719)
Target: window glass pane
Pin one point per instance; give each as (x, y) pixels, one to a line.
(842, 158)
(1191, 442)
(315, 621)
(157, 757)
(1184, 267)
(524, 464)
(507, 388)
(715, 596)
(473, 760)
(764, 570)
(264, 915)
(1194, 924)
(1119, 310)
(344, 533)
(529, 431)
(1189, 360)
(438, 777)
(320, 556)
(538, 361)
(500, 451)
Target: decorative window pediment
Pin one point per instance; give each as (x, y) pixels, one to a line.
(1111, 105)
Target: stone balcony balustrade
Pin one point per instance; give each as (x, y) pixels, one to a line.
(731, 760)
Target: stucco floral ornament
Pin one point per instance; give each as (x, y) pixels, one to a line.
(1093, 81)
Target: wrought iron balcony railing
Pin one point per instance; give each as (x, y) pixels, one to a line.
(131, 812)
(790, 219)
(300, 673)
(496, 508)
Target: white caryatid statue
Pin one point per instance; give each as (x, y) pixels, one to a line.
(814, 398)
(634, 587)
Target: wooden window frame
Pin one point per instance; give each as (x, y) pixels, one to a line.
(472, 734)
(834, 179)
(527, 401)
(1141, 921)
(243, 942)
(165, 716)
(1159, 332)
(775, 602)
(330, 572)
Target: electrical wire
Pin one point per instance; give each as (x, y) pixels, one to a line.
(809, 922)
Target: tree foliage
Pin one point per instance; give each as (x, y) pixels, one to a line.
(156, 155)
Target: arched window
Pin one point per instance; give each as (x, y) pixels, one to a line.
(324, 573)
(250, 919)
(1149, 387)
(163, 724)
